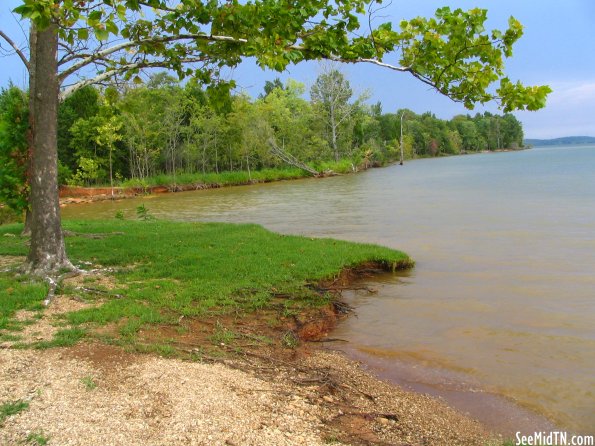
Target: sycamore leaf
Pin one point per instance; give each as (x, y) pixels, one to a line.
(101, 33)
(83, 34)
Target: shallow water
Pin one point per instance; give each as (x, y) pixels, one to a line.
(502, 298)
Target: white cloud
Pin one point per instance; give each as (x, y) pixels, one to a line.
(570, 111)
(572, 93)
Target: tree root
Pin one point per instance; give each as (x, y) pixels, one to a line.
(54, 282)
(92, 290)
(53, 277)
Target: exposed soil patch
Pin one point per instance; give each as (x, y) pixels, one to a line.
(7, 262)
(95, 281)
(43, 326)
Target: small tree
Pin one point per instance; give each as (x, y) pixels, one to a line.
(107, 136)
(332, 93)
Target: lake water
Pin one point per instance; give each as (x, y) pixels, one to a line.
(501, 304)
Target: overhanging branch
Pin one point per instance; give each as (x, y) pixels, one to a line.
(119, 70)
(16, 48)
(122, 46)
(373, 62)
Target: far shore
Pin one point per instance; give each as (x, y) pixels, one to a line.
(79, 194)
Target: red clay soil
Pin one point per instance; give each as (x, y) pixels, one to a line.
(122, 192)
(106, 192)
(74, 194)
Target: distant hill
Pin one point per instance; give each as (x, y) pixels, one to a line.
(567, 140)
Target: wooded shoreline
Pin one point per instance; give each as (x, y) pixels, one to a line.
(76, 194)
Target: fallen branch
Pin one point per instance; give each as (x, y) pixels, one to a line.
(290, 159)
(342, 307)
(349, 288)
(329, 340)
(98, 291)
(355, 389)
(369, 415)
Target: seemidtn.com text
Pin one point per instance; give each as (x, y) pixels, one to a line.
(554, 438)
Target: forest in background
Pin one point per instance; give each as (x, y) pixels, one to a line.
(129, 134)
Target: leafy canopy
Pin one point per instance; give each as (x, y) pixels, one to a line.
(452, 51)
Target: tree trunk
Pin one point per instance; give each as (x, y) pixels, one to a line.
(334, 133)
(111, 176)
(47, 253)
(27, 226)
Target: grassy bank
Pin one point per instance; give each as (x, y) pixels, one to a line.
(238, 177)
(167, 275)
(218, 179)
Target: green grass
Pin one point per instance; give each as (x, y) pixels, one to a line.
(37, 438)
(18, 293)
(222, 335)
(241, 177)
(89, 383)
(220, 179)
(341, 166)
(63, 338)
(166, 270)
(12, 408)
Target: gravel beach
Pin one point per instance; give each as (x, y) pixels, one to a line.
(95, 394)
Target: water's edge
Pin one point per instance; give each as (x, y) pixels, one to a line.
(503, 288)
(496, 412)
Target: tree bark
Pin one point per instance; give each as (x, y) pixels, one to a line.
(27, 226)
(47, 253)
(334, 131)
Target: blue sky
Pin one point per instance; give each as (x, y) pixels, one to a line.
(558, 49)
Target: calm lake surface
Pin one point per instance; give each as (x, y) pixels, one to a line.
(501, 304)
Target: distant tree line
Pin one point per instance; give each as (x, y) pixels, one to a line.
(140, 130)
(565, 140)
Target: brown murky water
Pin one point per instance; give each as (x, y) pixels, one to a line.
(501, 304)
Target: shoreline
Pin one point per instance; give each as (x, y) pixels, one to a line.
(362, 424)
(75, 194)
(97, 393)
(498, 413)
(317, 398)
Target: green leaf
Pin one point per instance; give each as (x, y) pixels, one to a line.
(83, 34)
(112, 28)
(121, 11)
(95, 16)
(101, 34)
